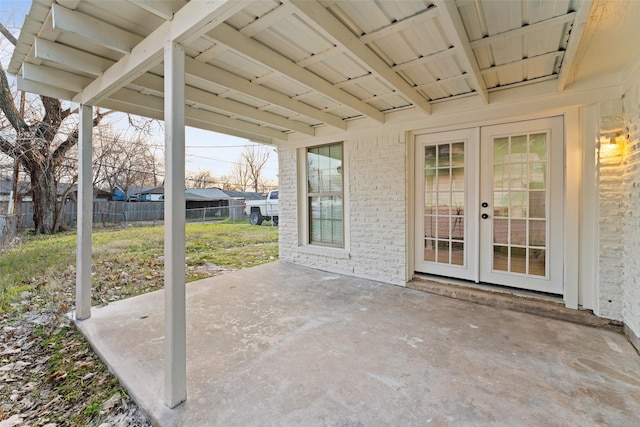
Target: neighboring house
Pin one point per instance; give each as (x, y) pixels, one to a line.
(151, 195)
(6, 187)
(24, 191)
(98, 194)
(244, 195)
(206, 198)
(493, 142)
(132, 193)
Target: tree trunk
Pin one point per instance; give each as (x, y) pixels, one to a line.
(45, 194)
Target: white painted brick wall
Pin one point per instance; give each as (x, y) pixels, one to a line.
(609, 298)
(619, 278)
(631, 218)
(377, 205)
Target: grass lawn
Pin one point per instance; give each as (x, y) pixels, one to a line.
(48, 373)
(129, 261)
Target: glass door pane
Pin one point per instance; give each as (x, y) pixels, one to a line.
(520, 189)
(521, 213)
(444, 203)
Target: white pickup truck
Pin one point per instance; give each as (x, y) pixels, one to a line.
(259, 210)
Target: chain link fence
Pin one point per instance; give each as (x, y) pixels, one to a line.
(120, 213)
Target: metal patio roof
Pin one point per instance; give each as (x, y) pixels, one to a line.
(266, 69)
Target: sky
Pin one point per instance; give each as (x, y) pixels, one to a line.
(206, 151)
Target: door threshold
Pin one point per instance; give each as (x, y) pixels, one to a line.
(538, 303)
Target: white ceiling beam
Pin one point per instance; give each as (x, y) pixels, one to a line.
(211, 53)
(211, 100)
(195, 18)
(43, 89)
(572, 56)
(321, 19)
(161, 9)
(321, 56)
(410, 21)
(454, 28)
(522, 62)
(69, 4)
(229, 80)
(228, 122)
(70, 57)
(155, 103)
(54, 77)
(85, 26)
(267, 20)
(236, 108)
(158, 115)
(250, 48)
(523, 31)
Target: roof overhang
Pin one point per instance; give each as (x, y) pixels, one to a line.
(266, 70)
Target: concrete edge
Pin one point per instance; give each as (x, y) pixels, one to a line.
(632, 337)
(521, 303)
(146, 410)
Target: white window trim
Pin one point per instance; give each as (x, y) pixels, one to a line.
(304, 245)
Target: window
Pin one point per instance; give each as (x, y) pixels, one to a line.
(325, 195)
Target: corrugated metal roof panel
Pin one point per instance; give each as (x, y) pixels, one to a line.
(513, 42)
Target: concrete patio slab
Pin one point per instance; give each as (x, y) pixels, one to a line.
(284, 345)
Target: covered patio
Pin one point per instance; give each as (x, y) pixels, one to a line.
(283, 344)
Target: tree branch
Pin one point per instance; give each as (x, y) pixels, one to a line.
(73, 137)
(5, 32)
(8, 106)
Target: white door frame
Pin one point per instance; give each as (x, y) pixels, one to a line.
(471, 138)
(553, 280)
(574, 177)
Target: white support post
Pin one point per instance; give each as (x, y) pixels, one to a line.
(175, 383)
(85, 215)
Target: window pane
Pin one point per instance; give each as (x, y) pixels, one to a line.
(537, 262)
(519, 148)
(443, 155)
(457, 154)
(324, 169)
(443, 252)
(457, 179)
(537, 233)
(500, 150)
(518, 260)
(429, 250)
(518, 232)
(313, 173)
(430, 157)
(457, 253)
(538, 147)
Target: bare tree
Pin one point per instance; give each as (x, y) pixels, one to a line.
(240, 176)
(39, 138)
(226, 182)
(122, 161)
(200, 179)
(254, 158)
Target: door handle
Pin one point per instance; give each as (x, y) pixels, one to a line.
(485, 216)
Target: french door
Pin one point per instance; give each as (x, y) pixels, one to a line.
(489, 204)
